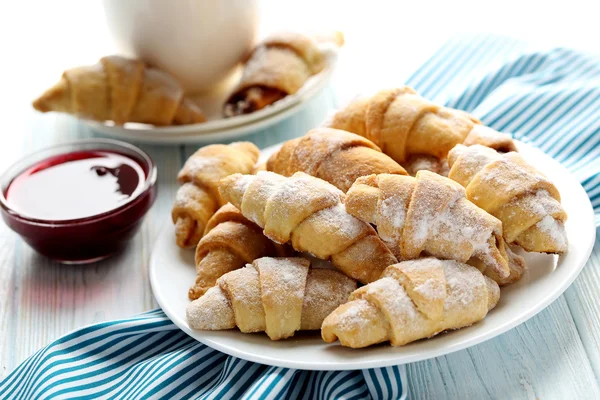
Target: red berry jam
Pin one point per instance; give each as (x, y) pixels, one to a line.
(75, 185)
(80, 204)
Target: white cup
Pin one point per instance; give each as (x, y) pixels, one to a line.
(198, 41)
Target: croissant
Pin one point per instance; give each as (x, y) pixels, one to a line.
(122, 90)
(276, 295)
(431, 214)
(230, 241)
(413, 300)
(513, 191)
(338, 157)
(404, 125)
(198, 197)
(277, 67)
(308, 212)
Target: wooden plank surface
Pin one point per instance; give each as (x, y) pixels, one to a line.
(543, 358)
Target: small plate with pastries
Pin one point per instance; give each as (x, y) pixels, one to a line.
(128, 99)
(402, 231)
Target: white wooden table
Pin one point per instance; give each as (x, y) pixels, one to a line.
(554, 355)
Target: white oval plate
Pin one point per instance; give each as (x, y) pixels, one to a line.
(218, 128)
(172, 273)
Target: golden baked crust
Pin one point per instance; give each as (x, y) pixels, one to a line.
(276, 295)
(336, 156)
(198, 198)
(413, 300)
(431, 215)
(308, 212)
(404, 124)
(507, 187)
(277, 67)
(230, 241)
(122, 90)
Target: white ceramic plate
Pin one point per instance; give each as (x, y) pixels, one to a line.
(218, 128)
(172, 273)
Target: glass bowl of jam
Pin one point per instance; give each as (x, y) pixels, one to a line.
(79, 202)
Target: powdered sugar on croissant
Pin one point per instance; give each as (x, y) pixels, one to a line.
(336, 156)
(430, 214)
(198, 198)
(506, 186)
(413, 300)
(308, 212)
(276, 295)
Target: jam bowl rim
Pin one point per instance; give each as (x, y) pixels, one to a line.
(31, 159)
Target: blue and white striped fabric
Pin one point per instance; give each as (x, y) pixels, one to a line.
(147, 356)
(548, 98)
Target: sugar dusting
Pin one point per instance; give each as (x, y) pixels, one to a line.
(321, 291)
(555, 230)
(473, 159)
(248, 293)
(499, 177)
(277, 200)
(442, 222)
(424, 162)
(430, 289)
(465, 225)
(326, 145)
(464, 284)
(346, 225)
(200, 162)
(424, 219)
(210, 311)
(355, 316)
(393, 211)
(530, 201)
(466, 294)
(290, 279)
(241, 184)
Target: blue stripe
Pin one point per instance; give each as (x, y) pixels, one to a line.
(276, 379)
(89, 342)
(344, 392)
(148, 364)
(134, 371)
(34, 361)
(386, 378)
(153, 366)
(70, 378)
(308, 389)
(91, 353)
(489, 84)
(483, 50)
(536, 122)
(371, 383)
(551, 135)
(258, 370)
(171, 394)
(162, 367)
(433, 63)
(297, 383)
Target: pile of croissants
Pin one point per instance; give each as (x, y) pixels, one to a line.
(125, 90)
(410, 255)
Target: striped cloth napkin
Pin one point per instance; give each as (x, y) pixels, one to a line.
(550, 98)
